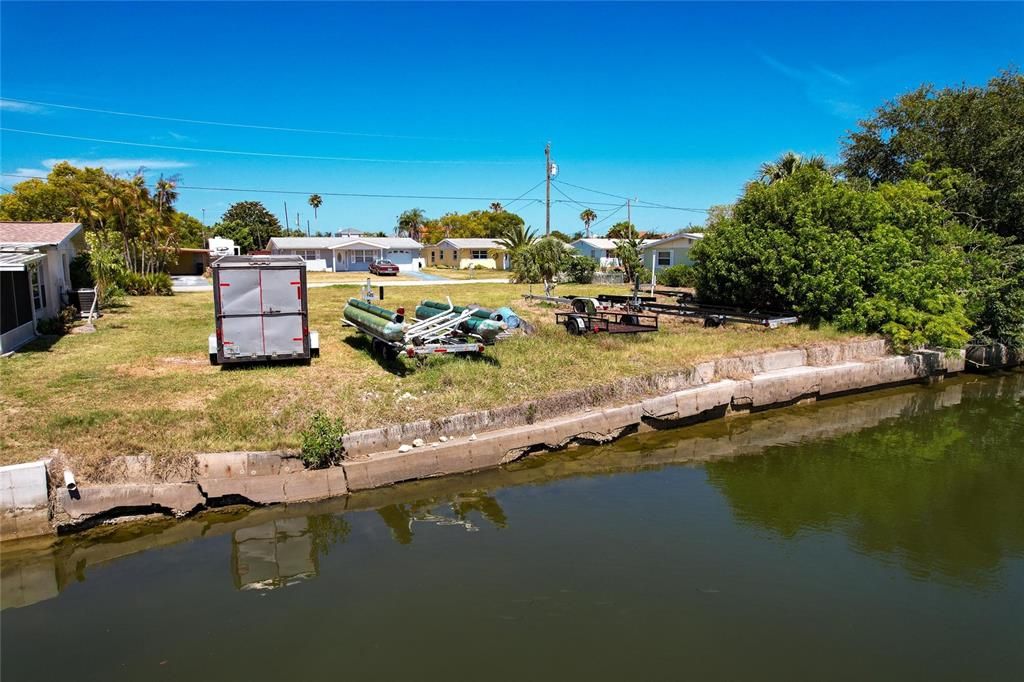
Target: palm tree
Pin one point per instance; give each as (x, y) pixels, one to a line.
(517, 238)
(166, 192)
(316, 202)
(410, 223)
(497, 207)
(588, 216)
(788, 164)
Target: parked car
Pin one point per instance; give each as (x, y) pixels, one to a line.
(383, 267)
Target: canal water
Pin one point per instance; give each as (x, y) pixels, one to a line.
(875, 537)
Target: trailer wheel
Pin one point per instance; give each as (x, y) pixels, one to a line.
(575, 326)
(390, 353)
(629, 319)
(713, 321)
(213, 359)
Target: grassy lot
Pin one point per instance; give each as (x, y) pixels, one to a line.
(478, 273)
(142, 383)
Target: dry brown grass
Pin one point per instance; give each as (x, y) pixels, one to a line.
(141, 383)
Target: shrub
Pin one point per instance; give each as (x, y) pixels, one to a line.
(580, 269)
(151, 284)
(677, 276)
(59, 325)
(321, 441)
(81, 272)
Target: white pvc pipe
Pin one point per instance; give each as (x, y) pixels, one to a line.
(69, 480)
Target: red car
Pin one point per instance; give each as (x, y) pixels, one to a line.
(383, 267)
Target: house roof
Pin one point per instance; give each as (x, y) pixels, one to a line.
(469, 243)
(693, 236)
(342, 242)
(37, 234)
(16, 260)
(601, 243)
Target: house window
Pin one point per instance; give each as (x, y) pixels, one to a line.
(38, 289)
(432, 256)
(664, 258)
(440, 255)
(364, 256)
(478, 254)
(310, 254)
(455, 254)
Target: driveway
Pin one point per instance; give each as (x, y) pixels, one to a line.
(186, 283)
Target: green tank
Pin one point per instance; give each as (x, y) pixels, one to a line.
(384, 325)
(487, 330)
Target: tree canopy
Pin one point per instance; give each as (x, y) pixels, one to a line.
(967, 142)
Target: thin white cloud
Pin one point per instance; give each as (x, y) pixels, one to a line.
(29, 172)
(823, 87)
(120, 164)
(11, 105)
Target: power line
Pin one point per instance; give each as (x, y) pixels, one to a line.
(519, 198)
(616, 196)
(224, 123)
(266, 154)
(607, 216)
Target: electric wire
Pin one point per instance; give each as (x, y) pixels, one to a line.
(223, 123)
(275, 155)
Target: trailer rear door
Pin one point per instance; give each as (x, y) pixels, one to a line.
(239, 291)
(242, 336)
(282, 291)
(284, 334)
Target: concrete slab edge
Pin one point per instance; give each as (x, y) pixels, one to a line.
(260, 478)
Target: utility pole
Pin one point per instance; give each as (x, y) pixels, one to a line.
(286, 215)
(547, 181)
(629, 218)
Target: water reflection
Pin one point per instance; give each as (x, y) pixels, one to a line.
(939, 491)
(454, 511)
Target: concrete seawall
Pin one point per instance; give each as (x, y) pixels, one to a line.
(473, 441)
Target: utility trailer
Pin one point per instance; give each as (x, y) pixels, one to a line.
(391, 336)
(261, 311)
(713, 316)
(606, 321)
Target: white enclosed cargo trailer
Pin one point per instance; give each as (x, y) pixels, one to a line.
(261, 313)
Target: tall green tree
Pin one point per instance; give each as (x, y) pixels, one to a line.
(516, 238)
(588, 216)
(316, 201)
(410, 223)
(260, 223)
(966, 142)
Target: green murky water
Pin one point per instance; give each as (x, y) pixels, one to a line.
(878, 537)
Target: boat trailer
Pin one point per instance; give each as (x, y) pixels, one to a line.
(391, 336)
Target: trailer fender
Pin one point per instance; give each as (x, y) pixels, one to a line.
(314, 344)
(212, 346)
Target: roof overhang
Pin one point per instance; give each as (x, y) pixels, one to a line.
(18, 261)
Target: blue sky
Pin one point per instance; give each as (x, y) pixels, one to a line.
(676, 104)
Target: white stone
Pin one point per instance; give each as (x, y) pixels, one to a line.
(418, 443)
(472, 437)
(443, 439)
(404, 447)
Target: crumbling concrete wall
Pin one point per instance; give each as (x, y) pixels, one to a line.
(471, 442)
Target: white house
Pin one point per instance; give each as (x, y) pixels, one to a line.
(35, 276)
(351, 253)
(672, 250)
(600, 249)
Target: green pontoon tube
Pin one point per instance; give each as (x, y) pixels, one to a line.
(375, 321)
(479, 323)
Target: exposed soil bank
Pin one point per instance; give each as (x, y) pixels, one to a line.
(475, 441)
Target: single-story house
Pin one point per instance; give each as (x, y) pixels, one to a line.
(350, 254)
(189, 262)
(600, 249)
(35, 276)
(467, 253)
(672, 250)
